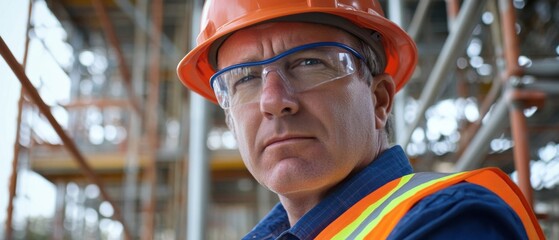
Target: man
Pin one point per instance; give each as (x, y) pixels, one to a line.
(307, 88)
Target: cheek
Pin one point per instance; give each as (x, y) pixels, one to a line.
(354, 115)
(245, 125)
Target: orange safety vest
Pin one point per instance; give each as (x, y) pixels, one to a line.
(374, 216)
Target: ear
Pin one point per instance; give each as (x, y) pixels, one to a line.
(383, 90)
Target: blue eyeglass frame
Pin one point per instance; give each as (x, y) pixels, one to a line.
(290, 51)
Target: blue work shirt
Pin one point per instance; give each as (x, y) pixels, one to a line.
(462, 211)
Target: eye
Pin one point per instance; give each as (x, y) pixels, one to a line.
(310, 61)
(244, 79)
(245, 82)
(239, 76)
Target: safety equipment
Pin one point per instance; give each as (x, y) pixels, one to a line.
(376, 215)
(220, 18)
(301, 68)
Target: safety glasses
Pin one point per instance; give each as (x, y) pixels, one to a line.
(301, 68)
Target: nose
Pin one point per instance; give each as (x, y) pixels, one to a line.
(277, 98)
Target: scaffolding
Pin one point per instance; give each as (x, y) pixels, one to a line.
(159, 189)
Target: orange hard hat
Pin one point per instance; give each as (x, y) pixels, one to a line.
(223, 17)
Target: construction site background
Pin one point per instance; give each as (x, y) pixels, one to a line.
(100, 140)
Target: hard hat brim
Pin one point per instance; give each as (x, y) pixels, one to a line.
(195, 70)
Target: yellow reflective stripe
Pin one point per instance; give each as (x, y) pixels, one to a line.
(344, 233)
(394, 203)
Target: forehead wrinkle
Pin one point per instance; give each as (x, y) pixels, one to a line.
(260, 42)
(240, 55)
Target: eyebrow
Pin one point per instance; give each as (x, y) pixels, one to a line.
(245, 59)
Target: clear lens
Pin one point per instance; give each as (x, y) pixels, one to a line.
(301, 68)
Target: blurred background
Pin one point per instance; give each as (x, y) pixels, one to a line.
(100, 140)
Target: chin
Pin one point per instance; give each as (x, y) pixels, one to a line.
(296, 185)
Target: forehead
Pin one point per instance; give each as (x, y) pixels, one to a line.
(269, 39)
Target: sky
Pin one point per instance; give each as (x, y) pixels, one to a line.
(35, 194)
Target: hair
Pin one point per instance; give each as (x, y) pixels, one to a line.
(374, 66)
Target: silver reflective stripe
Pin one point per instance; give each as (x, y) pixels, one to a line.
(416, 180)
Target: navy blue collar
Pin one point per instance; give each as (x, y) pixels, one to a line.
(389, 165)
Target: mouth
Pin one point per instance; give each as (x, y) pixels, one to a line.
(279, 141)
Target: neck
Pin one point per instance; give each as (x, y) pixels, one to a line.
(296, 207)
(298, 204)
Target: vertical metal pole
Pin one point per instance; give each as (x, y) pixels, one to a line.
(512, 51)
(15, 160)
(198, 170)
(113, 40)
(518, 120)
(395, 12)
(58, 230)
(151, 122)
(181, 38)
(452, 10)
(13, 177)
(521, 149)
(183, 35)
(142, 24)
(135, 127)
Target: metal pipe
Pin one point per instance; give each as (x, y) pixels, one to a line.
(510, 38)
(473, 155)
(135, 128)
(473, 128)
(395, 12)
(521, 98)
(183, 141)
(418, 18)
(146, 26)
(453, 46)
(151, 121)
(15, 160)
(518, 120)
(452, 10)
(544, 68)
(113, 40)
(58, 221)
(181, 38)
(70, 145)
(198, 169)
(519, 101)
(496, 87)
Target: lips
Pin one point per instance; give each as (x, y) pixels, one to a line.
(285, 140)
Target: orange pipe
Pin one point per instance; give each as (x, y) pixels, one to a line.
(113, 40)
(521, 151)
(13, 177)
(70, 145)
(452, 10)
(518, 120)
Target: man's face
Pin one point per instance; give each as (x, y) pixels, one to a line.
(304, 143)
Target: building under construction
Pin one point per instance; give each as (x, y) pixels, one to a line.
(100, 140)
